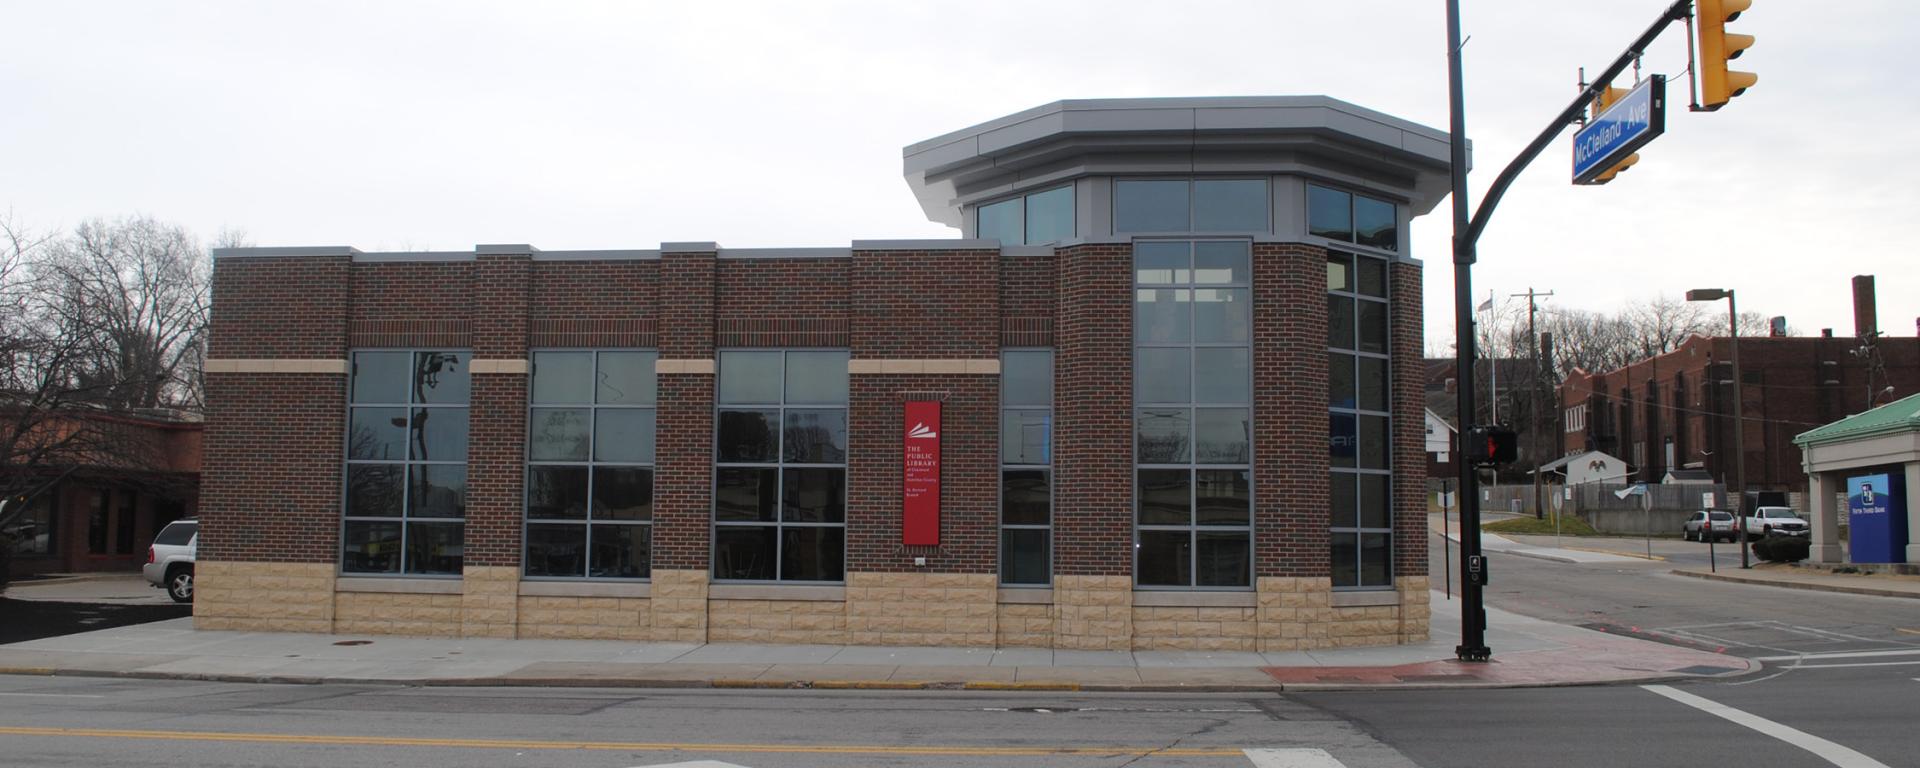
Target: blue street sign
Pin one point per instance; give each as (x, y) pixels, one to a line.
(1626, 126)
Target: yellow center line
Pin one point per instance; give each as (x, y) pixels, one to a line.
(619, 746)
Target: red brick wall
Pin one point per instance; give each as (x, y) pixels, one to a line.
(1027, 306)
(497, 412)
(1290, 484)
(270, 488)
(1093, 413)
(969, 473)
(279, 307)
(683, 448)
(925, 304)
(1406, 329)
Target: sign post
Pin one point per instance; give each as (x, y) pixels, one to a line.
(920, 465)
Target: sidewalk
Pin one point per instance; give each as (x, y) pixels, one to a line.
(1527, 653)
(1814, 578)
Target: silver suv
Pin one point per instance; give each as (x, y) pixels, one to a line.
(170, 559)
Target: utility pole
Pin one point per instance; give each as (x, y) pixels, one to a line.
(1533, 396)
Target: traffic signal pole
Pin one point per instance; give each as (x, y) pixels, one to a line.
(1466, 234)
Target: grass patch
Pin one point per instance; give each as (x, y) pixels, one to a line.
(1569, 525)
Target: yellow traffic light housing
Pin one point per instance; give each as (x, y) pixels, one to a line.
(1625, 163)
(1605, 98)
(1718, 84)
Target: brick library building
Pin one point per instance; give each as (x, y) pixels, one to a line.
(1163, 392)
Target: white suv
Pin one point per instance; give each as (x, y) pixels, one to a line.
(170, 559)
(1765, 520)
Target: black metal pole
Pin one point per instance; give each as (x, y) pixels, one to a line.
(1473, 614)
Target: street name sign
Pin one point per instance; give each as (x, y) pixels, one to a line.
(1626, 126)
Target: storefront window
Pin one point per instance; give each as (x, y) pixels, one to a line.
(1026, 467)
(1359, 415)
(1033, 219)
(590, 456)
(406, 463)
(780, 473)
(32, 532)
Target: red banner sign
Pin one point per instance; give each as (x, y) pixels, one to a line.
(920, 457)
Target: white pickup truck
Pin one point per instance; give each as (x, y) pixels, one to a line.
(1765, 520)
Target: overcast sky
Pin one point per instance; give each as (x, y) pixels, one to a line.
(394, 125)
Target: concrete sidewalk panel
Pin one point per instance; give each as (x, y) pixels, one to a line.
(744, 653)
(1015, 657)
(1197, 659)
(918, 656)
(1072, 658)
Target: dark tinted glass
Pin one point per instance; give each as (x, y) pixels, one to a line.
(623, 435)
(436, 490)
(1023, 556)
(1165, 559)
(1339, 322)
(1162, 375)
(176, 534)
(440, 378)
(750, 377)
(562, 377)
(816, 437)
(1340, 384)
(1024, 436)
(370, 547)
(1376, 560)
(814, 495)
(817, 378)
(1050, 215)
(556, 550)
(622, 493)
(1221, 374)
(1026, 377)
(1329, 213)
(377, 433)
(1373, 383)
(1220, 262)
(1373, 276)
(1375, 504)
(558, 434)
(1343, 439)
(1024, 497)
(1220, 435)
(1162, 315)
(439, 434)
(1166, 497)
(1164, 437)
(1373, 327)
(745, 552)
(557, 493)
(1229, 205)
(748, 436)
(1344, 500)
(622, 551)
(1150, 206)
(1373, 223)
(1223, 559)
(1001, 221)
(627, 378)
(745, 494)
(435, 548)
(373, 490)
(1373, 442)
(813, 554)
(1221, 497)
(1346, 559)
(381, 377)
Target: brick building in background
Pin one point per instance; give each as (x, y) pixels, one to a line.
(1176, 357)
(96, 508)
(1674, 411)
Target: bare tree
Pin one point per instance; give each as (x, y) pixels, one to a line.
(134, 292)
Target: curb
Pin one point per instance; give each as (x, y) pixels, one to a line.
(1810, 586)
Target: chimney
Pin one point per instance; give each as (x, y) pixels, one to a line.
(1865, 320)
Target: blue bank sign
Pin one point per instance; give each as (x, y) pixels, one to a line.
(1626, 126)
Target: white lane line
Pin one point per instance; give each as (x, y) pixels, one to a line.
(59, 695)
(1858, 664)
(1839, 755)
(1301, 757)
(1841, 655)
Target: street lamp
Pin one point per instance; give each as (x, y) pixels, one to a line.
(1738, 491)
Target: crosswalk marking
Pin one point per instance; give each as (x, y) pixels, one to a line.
(1837, 754)
(1301, 757)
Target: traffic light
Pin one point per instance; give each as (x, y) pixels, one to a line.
(1718, 84)
(1605, 98)
(1487, 446)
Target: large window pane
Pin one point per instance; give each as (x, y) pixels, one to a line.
(627, 378)
(1376, 560)
(1343, 441)
(377, 433)
(1162, 315)
(623, 435)
(1343, 500)
(1162, 375)
(1001, 221)
(1373, 327)
(1339, 322)
(1024, 497)
(817, 377)
(1329, 213)
(1221, 374)
(1166, 497)
(622, 551)
(1373, 276)
(1025, 436)
(557, 493)
(1222, 315)
(439, 434)
(440, 378)
(1373, 442)
(1221, 262)
(1340, 384)
(1220, 436)
(745, 552)
(434, 548)
(1150, 206)
(1023, 556)
(1346, 559)
(374, 490)
(1026, 377)
(748, 436)
(1165, 559)
(1230, 205)
(746, 494)
(437, 490)
(1339, 272)
(1162, 263)
(558, 434)
(814, 495)
(1375, 504)
(381, 377)
(562, 377)
(750, 377)
(1050, 215)
(813, 553)
(556, 550)
(816, 437)
(1164, 437)
(1373, 383)
(370, 547)
(1222, 497)
(1373, 223)
(622, 493)
(1224, 559)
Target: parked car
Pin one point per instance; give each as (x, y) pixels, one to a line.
(1697, 527)
(170, 559)
(1766, 520)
